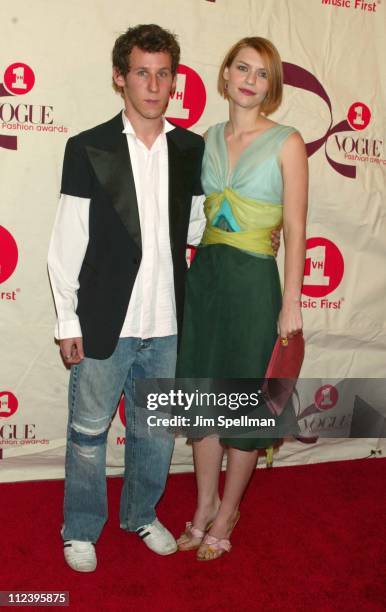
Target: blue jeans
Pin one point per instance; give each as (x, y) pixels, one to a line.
(95, 388)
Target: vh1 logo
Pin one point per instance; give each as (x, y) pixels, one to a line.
(5, 408)
(176, 107)
(324, 267)
(187, 102)
(8, 404)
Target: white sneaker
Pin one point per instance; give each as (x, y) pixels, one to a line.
(157, 538)
(80, 556)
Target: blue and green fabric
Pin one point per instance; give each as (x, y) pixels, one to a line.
(233, 293)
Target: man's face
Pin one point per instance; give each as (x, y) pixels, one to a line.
(148, 84)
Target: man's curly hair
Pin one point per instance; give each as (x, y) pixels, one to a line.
(149, 37)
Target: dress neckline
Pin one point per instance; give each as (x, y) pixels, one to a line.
(258, 137)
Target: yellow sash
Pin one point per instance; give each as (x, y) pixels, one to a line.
(257, 220)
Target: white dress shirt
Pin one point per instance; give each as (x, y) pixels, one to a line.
(151, 311)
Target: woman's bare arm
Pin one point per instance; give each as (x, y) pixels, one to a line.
(295, 179)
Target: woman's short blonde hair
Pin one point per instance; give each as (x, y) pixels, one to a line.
(272, 63)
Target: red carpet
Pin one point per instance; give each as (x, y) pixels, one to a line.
(310, 538)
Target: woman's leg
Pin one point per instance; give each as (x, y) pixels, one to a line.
(239, 470)
(207, 455)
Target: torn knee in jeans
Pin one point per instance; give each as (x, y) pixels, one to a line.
(88, 437)
(87, 452)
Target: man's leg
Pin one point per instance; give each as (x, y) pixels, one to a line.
(95, 389)
(148, 449)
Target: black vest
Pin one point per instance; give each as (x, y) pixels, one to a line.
(97, 166)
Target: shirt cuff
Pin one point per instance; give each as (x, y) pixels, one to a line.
(68, 329)
(197, 220)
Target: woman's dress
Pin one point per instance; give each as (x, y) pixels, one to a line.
(233, 292)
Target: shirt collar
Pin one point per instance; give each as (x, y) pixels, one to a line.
(128, 128)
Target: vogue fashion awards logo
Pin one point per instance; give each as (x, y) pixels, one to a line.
(19, 80)
(320, 418)
(15, 434)
(188, 101)
(353, 147)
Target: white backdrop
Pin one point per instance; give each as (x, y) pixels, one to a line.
(55, 79)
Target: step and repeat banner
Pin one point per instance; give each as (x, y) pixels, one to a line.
(55, 80)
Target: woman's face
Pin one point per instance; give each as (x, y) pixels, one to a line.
(247, 79)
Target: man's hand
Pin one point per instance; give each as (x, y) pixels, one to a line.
(72, 350)
(275, 241)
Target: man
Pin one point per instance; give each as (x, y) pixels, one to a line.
(117, 267)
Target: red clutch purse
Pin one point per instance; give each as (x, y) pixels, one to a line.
(282, 372)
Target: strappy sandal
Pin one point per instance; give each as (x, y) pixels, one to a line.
(192, 533)
(211, 544)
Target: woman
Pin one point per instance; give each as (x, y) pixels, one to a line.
(255, 179)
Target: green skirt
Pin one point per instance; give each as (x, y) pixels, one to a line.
(232, 304)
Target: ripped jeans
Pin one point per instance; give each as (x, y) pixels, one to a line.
(94, 391)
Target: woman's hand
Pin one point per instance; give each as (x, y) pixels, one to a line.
(275, 241)
(290, 319)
